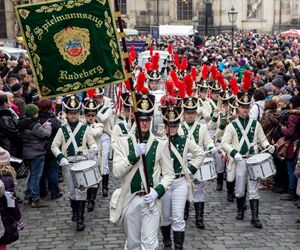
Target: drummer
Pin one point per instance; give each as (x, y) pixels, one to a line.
(220, 119)
(199, 134)
(242, 137)
(73, 138)
(173, 202)
(91, 107)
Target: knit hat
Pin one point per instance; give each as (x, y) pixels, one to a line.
(286, 98)
(31, 110)
(242, 62)
(4, 156)
(278, 82)
(16, 87)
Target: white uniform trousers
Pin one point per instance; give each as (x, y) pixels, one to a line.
(141, 224)
(173, 203)
(241, 179)
(199, 191)
(74, 193)
(105, 142)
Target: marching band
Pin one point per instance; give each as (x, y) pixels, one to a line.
(205, 134)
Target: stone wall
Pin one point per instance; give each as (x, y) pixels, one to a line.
(142, 14)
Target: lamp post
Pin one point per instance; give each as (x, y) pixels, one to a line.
(195, 22)
(232, 15)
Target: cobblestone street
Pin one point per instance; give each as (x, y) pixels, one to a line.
(52, 228)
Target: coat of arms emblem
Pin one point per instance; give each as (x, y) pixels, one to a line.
(73, 44)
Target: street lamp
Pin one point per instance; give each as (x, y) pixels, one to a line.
(208, 7)
(232, 15)
(195, 23)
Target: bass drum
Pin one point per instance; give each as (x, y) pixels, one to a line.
(157, 117)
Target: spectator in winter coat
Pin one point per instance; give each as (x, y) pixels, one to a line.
(51, 168)
(34, 137)
(10, 213)
(291, 133)
(8, 128)
(257, 109)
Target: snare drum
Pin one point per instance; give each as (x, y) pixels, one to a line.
(76, 158)
(260, 166)
(85, 173)
(207, 171)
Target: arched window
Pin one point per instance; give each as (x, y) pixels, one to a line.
(184, 9)
(123, 7)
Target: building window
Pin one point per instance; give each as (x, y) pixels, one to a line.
(254, 9)
(184, 9)
(123, 7)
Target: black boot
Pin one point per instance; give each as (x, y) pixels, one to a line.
(73, 206)
(240, 208)
(254, 204)
(178, 240)
(80, 213)
(220, 181)
(199, 211)
(230, 191)
(186, 210)
(91, 197)
(166, 233)
(244, 202)
(105, 185)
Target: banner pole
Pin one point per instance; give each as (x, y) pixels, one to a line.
(133, 97)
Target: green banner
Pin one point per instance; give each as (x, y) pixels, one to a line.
(72, 44)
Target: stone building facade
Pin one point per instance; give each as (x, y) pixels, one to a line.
(209, 15)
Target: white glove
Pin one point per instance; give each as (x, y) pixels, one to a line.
(271, 149)
(64, 162)
(214, 150)
(238, 157)
(151, 197)
(140, 149)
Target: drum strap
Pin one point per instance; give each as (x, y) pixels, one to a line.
(244, 133)
(72, 137)
(191, 130)
(184, 166)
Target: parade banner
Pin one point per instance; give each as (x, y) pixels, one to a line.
(72, 44)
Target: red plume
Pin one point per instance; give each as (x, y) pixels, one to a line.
(140, 82)
(168, 101)
(181, 90)
(221, 81)
(174, 77)
(246, 81)
(148, 66)
(188, 81)
(151, 51)
(184, 63)
(204, 72)
(170, 88)
(132, 54)
(234, 86)
(194, 73)
(155, 60)
(144, 90)
(91, 93)
(127, 84)
(214, 72)
(176, 60)
(170, 49)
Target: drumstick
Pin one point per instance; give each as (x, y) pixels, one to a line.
(208, 151)
(266, 149)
